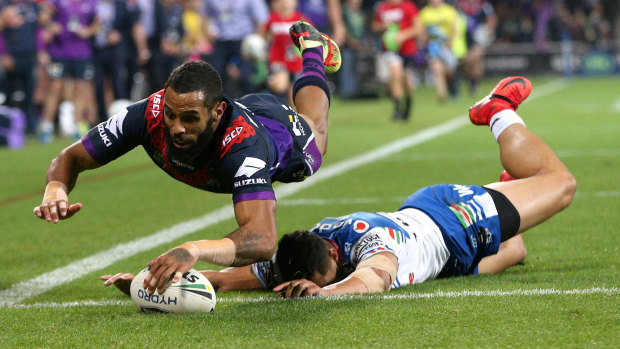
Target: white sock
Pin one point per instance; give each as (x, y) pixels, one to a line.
(502, 120)
(47, 126)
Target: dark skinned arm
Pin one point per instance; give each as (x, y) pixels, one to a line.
(60, 180)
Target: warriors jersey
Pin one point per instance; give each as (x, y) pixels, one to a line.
(259, 140)
(440, 231)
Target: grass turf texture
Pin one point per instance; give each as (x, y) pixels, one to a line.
(131, 198)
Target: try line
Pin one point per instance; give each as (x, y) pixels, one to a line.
(44, 282)
(383, 296)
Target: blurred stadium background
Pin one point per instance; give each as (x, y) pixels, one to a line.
(126, 49)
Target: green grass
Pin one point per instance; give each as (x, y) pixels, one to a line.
(131, 198)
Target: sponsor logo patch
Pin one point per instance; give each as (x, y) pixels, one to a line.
(360, 226)
(249, 181)
(236, 133)
(250, 166)
(115, 123)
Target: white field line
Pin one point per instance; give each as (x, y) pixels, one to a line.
(42, 283)
(616, 106)
(400, 199)
(387, 296)
(477, 155)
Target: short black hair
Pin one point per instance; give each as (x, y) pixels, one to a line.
(197, 76)
(301, 254)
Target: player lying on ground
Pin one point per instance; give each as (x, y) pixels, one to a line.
(214, 143)
(439, 231)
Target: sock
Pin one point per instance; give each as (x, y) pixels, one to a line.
(502, 120)
(312, 71)
(47, 126)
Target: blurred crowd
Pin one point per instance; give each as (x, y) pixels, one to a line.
(68, 64)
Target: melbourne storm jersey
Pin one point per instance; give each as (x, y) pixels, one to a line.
(258, 140)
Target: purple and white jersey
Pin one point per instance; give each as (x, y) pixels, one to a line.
(258, 140)
(72, 15)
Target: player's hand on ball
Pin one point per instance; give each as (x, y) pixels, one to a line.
(121, 280)
(170, 265)
(55, 205)
(299, 288)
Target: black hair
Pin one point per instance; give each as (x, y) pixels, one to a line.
(197, 76)
(301, 254)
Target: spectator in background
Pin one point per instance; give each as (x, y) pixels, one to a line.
(481, 24)
(440, 20)
(284, 58)
(197, 40)
(151, 17)
(112, 50)
(231, 21)
(23, 46)
(173, 35)
(326, 16)
(459, 49)
(397, 22)
(74, 23)
(355, 21)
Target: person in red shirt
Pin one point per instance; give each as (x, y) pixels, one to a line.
(397, 22)
(284, 58)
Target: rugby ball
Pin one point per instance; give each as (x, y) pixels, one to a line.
(192, 293)
(254, 48)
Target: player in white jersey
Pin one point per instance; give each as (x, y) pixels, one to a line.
(439, 231)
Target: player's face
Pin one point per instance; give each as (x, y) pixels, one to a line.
(189, 124)
(334, 272)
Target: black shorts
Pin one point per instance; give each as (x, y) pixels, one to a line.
(509, 218)
(82, 69)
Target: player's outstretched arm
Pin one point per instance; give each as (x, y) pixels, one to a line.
(255, 240)
(61, 177)
(229, 279)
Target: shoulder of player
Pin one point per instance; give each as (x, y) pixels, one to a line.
(241, 138)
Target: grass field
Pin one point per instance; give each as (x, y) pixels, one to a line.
(565, 294)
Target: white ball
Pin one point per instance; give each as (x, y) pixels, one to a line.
(254, 48)
(192, 293)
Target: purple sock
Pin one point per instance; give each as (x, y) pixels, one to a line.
(312, 71)
(313, 62)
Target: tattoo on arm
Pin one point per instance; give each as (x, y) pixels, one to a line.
(181, 255)
(250, 246)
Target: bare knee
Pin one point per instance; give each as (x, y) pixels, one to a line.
(568, 184)
(518, 250)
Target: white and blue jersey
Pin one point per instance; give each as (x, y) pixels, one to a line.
(439, 231)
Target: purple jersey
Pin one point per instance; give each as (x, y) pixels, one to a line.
(72, 15)
(259, 140)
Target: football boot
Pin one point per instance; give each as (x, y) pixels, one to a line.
(305, 35)
(508, 94)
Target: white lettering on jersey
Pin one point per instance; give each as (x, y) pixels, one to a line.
(156, 105)
(249, 181)
(115, 122)
(232, 135)
(392, 16)
(463, 190)
(103, 135)
(250, 166)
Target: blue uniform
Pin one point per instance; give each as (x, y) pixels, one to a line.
(258, 140)
(439, 231)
